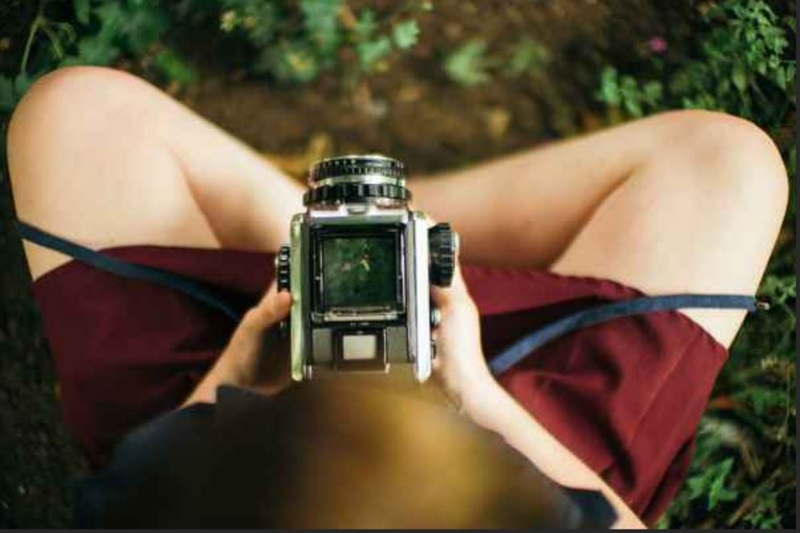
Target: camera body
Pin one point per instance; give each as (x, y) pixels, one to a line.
(359, 267)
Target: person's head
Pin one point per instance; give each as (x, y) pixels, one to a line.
(339, 454)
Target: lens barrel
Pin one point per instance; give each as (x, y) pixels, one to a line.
(357, 179)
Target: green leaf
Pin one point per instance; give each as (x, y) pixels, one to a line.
(467, 65)
(609, 87)
(405, 34)
(83, 11)
(321, 21)
(711, 483)
(527, 56)
(653, 90)
(370, 52)
(172, 67)
(259, 20)
(143, 26)
(96, 50)
(8, 97)
(633, 108)
(719, 495)
(781, 77)
(739, 78)
(24, 81)
(365, 25)
(291, 62)
(111, 17)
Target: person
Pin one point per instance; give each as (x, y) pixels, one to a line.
(685, 201)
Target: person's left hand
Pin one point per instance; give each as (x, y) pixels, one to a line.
(255, 356)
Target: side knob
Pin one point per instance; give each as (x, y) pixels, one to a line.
(283, 268)
(443, 243)
(436, 317)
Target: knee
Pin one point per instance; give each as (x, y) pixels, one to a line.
(734, 160)
(66, 102)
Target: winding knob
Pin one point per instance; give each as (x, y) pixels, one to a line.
(443, 242)
(283, 268)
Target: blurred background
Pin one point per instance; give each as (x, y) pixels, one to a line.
(439, 84)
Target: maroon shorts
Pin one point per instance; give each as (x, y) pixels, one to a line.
(625, 396)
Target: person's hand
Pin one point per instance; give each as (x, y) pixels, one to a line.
(255, 356)
(459, 366)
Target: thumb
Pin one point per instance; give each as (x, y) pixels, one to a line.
(272, 308)
(445, 297)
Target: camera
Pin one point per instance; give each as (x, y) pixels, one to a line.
(359, 266)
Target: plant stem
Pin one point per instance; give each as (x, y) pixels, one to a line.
(37, 23)
(750, 499)
(34, 29)
(53, 39)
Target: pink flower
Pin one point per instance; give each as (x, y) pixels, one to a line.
(657, 45)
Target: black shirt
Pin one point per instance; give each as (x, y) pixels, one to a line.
(241, 462)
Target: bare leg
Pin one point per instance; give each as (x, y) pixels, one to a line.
(681, 202)
(686, 201)
(101, 157)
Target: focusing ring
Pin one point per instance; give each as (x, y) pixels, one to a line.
(353, 192)
(357, 165)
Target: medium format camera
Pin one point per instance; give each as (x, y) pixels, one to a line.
(359, 267)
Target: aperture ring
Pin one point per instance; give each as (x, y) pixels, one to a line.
(354, 192)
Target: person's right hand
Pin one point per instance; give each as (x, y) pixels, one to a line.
(459, 366)
(256, 357)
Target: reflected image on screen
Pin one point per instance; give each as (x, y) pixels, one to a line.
(359, 272)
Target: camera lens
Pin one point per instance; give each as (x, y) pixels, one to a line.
(371, 178)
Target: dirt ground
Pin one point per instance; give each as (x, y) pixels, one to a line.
(411, 112)
(415, 113)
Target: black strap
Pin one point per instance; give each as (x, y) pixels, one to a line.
(127, 270)
(499, 364)
(603, 313)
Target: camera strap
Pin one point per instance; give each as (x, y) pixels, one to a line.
(610, 311)
(498, 364)
(128, 270)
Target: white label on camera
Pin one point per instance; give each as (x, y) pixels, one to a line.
(359, 347)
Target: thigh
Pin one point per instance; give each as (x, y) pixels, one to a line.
(702, 217)
(101, 157)
(523, 210)
(683, 201)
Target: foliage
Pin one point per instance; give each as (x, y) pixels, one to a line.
(468, 64)
(472, 64)
(743, 65)
(626, 92)
(295, 43)
(99, 32)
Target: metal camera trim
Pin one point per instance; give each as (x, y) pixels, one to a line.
(408, 326)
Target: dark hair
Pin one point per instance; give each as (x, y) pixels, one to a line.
(323, 454)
